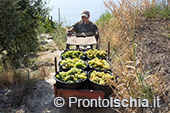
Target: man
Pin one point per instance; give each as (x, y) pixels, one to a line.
(85, 26)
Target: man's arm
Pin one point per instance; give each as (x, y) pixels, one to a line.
(71, 29)
(96, 32)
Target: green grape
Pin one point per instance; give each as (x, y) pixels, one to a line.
(101, 77)
(82, 76)
(102, 82)
(99, 64)
(96, 53)
(72, 76)
(70, 81)
(73, 63)
(73, 54)
(80, 64)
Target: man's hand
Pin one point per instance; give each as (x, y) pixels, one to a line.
(69, 33)
(97, 36)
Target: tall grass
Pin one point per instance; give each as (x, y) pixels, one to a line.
(20, 83)
(120, 32)
(60, 36)
(104, 19)
(159, 11)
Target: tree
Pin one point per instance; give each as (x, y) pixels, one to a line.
(19, 20)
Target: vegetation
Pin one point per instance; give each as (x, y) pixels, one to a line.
(47, 25)
(22, 82)
(60, 36)
(104, 19)
(19, 20)
(119, 29)
(160, 11)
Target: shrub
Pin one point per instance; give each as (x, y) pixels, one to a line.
(19, 20)
(158, 11)
(104, 19)
(120, 32)
(47, 25)
(60, 36)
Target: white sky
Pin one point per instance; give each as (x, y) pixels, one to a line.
(70, 10)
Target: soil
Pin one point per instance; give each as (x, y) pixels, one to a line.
(41, 98)
(154, 52)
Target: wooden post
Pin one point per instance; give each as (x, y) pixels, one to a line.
(98, 43)
(59, 16)
(51, 18)
(55, 60)
(108, 51)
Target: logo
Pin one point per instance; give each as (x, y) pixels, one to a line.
(59, 102)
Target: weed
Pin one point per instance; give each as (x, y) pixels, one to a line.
(169, 36)
(120, 30)
(60, 36)
(160, 11)
(20, 84)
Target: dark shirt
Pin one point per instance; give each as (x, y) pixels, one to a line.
(80, 27)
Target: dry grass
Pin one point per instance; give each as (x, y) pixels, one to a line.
(6, 79)
(13, 77)
(41, 73)
(17, 77)
(20, 84)
(132, 81)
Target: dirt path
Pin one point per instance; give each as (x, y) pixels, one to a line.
(41, 99)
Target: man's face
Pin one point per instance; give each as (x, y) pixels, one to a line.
(85, 19)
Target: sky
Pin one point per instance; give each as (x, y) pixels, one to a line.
(70, 10)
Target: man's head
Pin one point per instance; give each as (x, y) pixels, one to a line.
(85, 14)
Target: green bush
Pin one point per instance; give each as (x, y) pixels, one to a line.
(47, 25)
(60, 36)
(104, 19)
(158, 11)
(19, 20)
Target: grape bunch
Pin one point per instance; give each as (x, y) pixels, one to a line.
(96, 53)
(101, 78)
(72, 63)
(73, 54)
(74, 75)
(99, 64)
